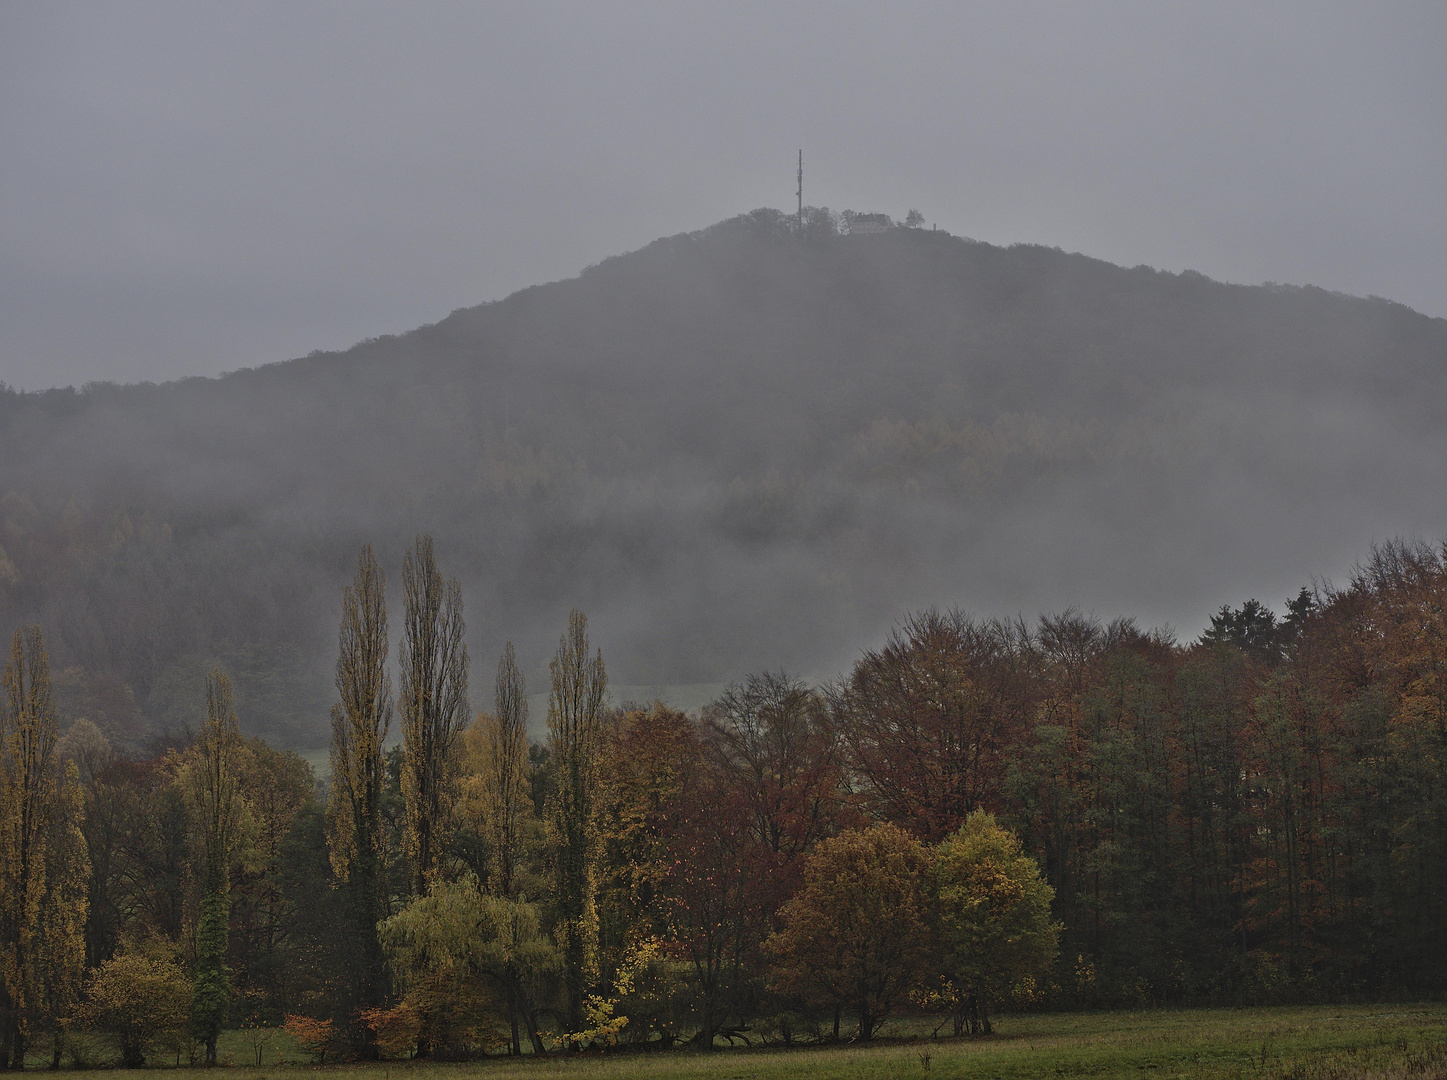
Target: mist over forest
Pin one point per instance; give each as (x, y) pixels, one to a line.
(735, 449)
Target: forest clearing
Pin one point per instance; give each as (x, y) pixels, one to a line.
(1259, 1043)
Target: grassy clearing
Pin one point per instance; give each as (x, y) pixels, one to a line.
(1305, 1043)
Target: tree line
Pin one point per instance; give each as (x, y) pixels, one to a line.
(982, 814)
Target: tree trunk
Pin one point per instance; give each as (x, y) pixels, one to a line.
(534, 1035)
(131, 1055)
(866, 1022)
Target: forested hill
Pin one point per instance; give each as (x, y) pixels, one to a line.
(735, 449)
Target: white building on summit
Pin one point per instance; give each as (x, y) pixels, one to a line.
(861, 224)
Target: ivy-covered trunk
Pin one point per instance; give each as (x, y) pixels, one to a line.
(212, 995)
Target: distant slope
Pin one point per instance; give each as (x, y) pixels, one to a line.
(733, 449)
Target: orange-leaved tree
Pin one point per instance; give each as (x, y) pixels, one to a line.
(857, 935)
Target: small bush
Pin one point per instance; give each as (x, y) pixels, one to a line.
(395, 1030)
(312, 1035)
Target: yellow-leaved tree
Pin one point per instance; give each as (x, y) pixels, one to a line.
(995, 928)
(43, 861)
(141, 998)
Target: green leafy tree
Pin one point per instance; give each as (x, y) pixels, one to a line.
(211, 780)
(995, 928)
(857, 935)
(461, 957)
(276, 785)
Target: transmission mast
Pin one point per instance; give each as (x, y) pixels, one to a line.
(801, 193)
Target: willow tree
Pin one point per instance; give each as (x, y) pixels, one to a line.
(211, 782)
(360, 722)
(43, 867)
(433, 704)
(576, 731)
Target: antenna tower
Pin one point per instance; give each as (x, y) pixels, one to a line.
(801, 193)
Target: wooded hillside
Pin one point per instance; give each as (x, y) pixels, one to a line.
(736, 448)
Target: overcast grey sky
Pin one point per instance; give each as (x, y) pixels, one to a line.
(189, 188)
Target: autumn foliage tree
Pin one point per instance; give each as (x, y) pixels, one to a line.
(43, 865)
(212, 783)
(857, 935)
(648, 759)
(772, 740)
(498, 747)
(720, 887)
(996, 931)
(141, 997)
(433, 704)
(926, 721)
(361, 720)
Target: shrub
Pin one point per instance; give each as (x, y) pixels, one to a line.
(142, 1000)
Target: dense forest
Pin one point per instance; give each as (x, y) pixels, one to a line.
(980, 815)
(736, 449)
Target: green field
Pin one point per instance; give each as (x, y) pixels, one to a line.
(1297, 1043)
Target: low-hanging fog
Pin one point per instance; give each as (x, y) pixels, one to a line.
(734, 449)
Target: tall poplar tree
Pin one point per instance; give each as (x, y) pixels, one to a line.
(576, 729)
(433, 704)
(360, 722)
(43, 867)
(216, 802)
(505, 749)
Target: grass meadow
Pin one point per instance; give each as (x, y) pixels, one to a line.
(1329, 1042)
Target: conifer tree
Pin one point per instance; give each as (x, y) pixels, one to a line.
(433, 704)
(216, 802)
(43, 867)
(360, 722)
(576, 730)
